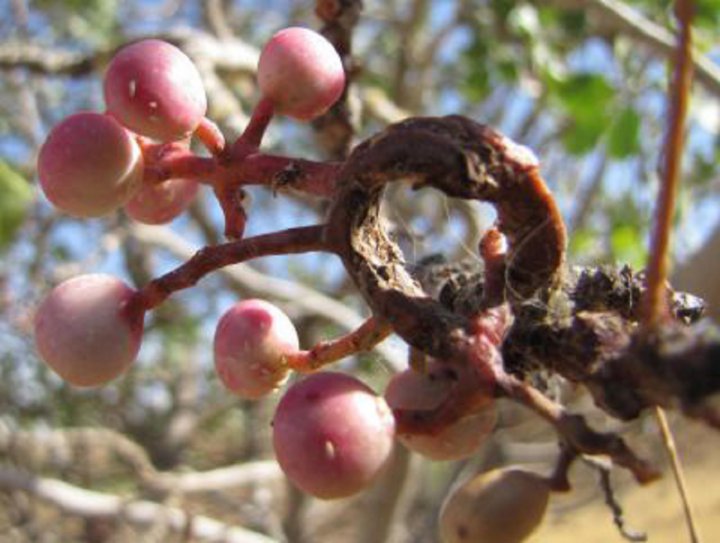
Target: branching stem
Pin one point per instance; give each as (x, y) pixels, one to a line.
(256, 168)
(575, 431)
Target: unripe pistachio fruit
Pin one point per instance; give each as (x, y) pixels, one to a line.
(89, 165)
(251, 342)
(154, 89)
(425, 391)
(84, 331)
(332, 435)
(300, 72)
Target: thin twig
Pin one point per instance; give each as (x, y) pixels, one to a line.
(656, 308)
(680, 483)
(300, 296)
(576, 432)
(362, 339)
(605, 469)
(291, 241)
(335, 129)
(655, 302)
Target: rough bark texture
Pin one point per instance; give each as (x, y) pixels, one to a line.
(465, 160)
(526, 314)
(578, 323)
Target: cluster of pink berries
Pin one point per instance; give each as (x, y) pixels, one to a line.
(93, 163)
(332, 434)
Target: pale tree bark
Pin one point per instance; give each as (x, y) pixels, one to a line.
(89, 504)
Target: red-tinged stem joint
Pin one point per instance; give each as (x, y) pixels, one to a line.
(211, 137)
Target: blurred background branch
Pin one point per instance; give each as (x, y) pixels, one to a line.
(580, 82)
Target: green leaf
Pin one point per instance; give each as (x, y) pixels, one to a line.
(585, 97)
(584, 243)
(707, 14)
(15, 198)
(476, 83)
(624, 136)
(502, 8)
(583, 94)
(627, 245)
(584, 134)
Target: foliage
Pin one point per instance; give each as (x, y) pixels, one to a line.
(15, 203)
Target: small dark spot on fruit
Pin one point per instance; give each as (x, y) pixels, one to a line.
(462, 531)
(312, 396)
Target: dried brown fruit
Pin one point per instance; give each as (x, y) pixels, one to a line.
(499, 506)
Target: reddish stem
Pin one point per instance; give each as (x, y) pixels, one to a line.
(292, 241)
(242, 166)
(575, 431)
(231, 201)
(656, 306)
(369, 334)
(181, 164)
(211, 136)
(469, 393)
(476, 376)
(493, 253)
(316, 178)
(259, 121)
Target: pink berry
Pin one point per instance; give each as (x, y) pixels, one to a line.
(84, 332)
(154, 89)
(161, 203)
(301, 73)
(251, 342)
(332, 435)
(89, 165)
(413, 390)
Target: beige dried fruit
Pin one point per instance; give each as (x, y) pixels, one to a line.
(499, 506)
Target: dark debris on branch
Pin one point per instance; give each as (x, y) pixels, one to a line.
(524, 311)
